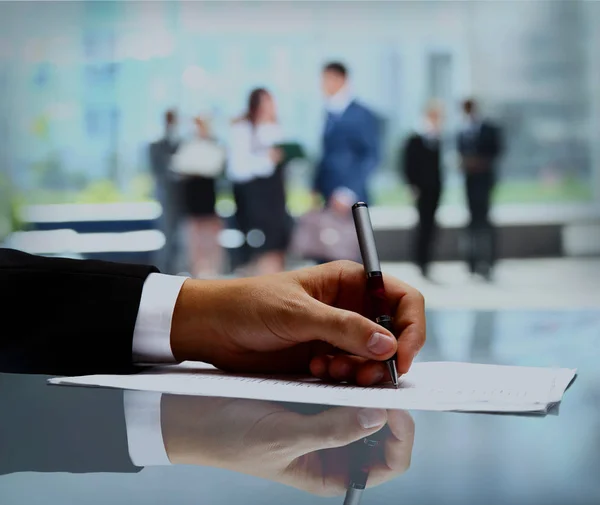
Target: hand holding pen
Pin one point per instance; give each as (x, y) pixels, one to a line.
(311, 320)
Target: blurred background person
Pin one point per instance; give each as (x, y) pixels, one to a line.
(254, 167)
(479, 146)
(166, 190)
(421, 166)
(201, 161)
(351, 140)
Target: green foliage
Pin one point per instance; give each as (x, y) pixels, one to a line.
(140, 189)
(9, 209)
(567, 190)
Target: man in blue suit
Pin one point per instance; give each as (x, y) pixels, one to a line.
(350, 144)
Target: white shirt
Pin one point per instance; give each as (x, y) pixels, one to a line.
(338, 103)
(249, 150)
(151, 345)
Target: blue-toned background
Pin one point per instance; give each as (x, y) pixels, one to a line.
(83, 85)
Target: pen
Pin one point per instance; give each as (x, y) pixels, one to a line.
(359, 472)
(379, 306)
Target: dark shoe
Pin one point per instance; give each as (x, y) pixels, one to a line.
(424, 271)
(485, 270)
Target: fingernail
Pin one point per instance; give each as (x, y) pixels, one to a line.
(380, 344)
(370, 418)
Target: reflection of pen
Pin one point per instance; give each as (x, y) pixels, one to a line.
(379, 305)
(359, 472)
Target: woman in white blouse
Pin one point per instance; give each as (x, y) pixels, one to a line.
(199, 162)
(254, 166)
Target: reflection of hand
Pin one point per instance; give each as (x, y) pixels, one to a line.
(297, 322)
(265, 439)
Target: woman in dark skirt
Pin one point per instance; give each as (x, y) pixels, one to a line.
(200, 161)
(254, 166)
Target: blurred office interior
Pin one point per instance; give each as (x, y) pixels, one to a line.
(84, 85)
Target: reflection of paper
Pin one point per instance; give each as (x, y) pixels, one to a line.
(428, 386)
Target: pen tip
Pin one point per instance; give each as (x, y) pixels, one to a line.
(393, 373)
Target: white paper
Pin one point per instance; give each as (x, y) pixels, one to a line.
(428, 386)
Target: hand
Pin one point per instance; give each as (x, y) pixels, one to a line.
(276, 155)
(297, 322)
(311, 452)
(415, 192)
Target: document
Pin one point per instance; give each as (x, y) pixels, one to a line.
(442, 386)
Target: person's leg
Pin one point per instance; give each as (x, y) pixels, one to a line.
(490, 229)
(205, 252)
(171, 215)
(160, 257)
(484, 241)
(433, 202)
(424, 230)
(470, 235)
(271, 262)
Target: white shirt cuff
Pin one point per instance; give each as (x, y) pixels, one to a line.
(152, 332)
(144, 431)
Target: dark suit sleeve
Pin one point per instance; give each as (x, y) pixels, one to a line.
(61, 429)
(67, 317)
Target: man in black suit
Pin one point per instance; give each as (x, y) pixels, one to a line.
(479, 145)
(167, 191)
(421, 166)
(77, 317)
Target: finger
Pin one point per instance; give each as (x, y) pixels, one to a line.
(372, 372)
(380, 473)
(319, 367)
(346, 330)
(398, 446)
(409, 323)
(336, 427)
(343, 367)
(351, 369)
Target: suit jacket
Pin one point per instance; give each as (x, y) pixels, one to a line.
(67, 317)
(161, 153)
(351, 152)
(61, 429)
(486, 144)
(421, 162)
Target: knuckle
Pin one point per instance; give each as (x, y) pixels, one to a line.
(419, 297)
(345, 265)
(404, 464)
(347, 320)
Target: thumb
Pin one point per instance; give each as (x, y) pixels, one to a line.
(348, 331)
(336, 427)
